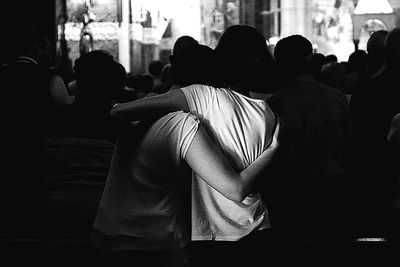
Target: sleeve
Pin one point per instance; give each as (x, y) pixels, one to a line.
(198, 98)
(189, 125)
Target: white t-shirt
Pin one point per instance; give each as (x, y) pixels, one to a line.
(146, 200)
(242, 128)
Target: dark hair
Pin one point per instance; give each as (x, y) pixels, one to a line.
(183, 42)
(244, 58)
(376, 46)
(146, 83)
(293, 55)
(98, 76)
(194, 64)
(155, 67)
(357, 60)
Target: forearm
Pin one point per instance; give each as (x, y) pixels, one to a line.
(149, 107)
(256, 169)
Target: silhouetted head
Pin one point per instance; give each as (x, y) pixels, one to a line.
(244, 59)
(293, 55)
(376, 46)
(99, 78)
(392, 46)
(357, 60)
(330, 58)
(334, 75)
(155, 67)
(183, 42)
(195, 64)
(146, 83)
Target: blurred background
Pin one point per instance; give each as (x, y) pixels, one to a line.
(139, 31)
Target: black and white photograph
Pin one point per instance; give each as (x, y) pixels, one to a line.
(193, 133)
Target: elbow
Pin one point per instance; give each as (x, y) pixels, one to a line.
(116, 111)
(237, 194)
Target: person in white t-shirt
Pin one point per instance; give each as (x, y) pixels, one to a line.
(144, 211)
(240, 126)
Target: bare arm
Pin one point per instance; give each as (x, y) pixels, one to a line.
(149, 107)
(58, 90)
(208, 162)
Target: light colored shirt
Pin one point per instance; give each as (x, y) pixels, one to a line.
(242, 128)
(146, 202)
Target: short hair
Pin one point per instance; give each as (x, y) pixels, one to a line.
(244, 56)
(375, 44)
(293, 54)
(182, 42)
(194, 64)
(155, 67)
(98, 76)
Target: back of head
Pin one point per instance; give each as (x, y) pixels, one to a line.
(334, 74)
(146, 83)
(155, 67)
(99, 77)
(293, 55)
(331, 58)
(375, 45)
(183, 42)
(194, 64)
(244, 58)
(357, 60)
(392, 46)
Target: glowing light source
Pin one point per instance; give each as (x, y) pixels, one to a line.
(373, 7)
(371, 239)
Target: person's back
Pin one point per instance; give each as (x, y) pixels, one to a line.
(145, 205)
(29, 109)
(372, 110)
(239, 125)
(242, 131)
(311, 160)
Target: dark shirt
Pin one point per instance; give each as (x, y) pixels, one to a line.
(311, 160)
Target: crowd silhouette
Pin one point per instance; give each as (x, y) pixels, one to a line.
(335, 173)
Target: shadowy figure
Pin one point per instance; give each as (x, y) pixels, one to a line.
(29, 108)
(330, 58)
(334, 75)
(372, 109)
(80, 147)
(356, 71)
(376, 53)
(317, 61)
(304, 195)
(155, 70)
(101, 81)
